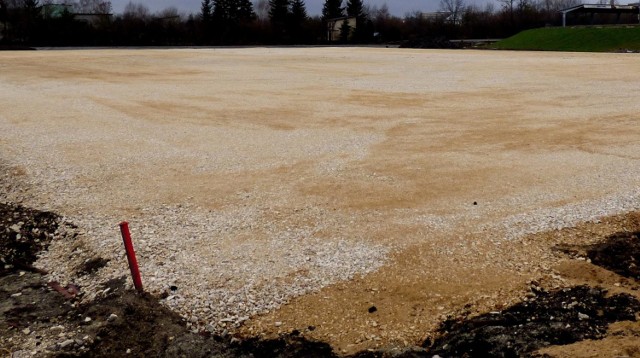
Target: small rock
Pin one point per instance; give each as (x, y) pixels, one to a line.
(278, 324)
(87, 319)
(582, 316)
(128, 351)
(17, 294)
(67, 343)
(372, 309)
(26, 331)
(112, 317)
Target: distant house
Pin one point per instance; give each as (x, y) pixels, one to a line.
(92, 18)
(435, 16)
(591, 10)
(56, 11)
(334, 27)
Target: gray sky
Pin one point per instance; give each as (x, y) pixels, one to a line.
(314, 7)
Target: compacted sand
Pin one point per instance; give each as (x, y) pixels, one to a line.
(295, 189)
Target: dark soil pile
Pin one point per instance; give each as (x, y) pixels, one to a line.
(620, 253)
(23, 234)
(557, 318)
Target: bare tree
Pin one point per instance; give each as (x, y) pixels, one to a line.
(508, 6)
(382, 13)
(92, 7)
(454, 8)
(170, 12)
(556, 5)
(136, 11)
(261, 8)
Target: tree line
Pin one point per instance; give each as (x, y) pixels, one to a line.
(261, 22)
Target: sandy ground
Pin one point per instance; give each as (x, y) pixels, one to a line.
(401, 179)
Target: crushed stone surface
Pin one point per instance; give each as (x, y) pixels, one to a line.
(253, 177)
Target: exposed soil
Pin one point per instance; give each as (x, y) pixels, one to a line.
(24, 233)
(35, 313)
(620, 254)
(556, 318)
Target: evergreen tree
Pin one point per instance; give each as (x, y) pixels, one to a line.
(279, 16)
(345, 31)
(278, 11)
(298, 12)
(205, 11)
(233, 10)
(332, 9)
(298, 20)
(244, 10)
(362, 32)
(206, 14)
(27, 29)
(232, 20)
(3, 19)
(355, 8)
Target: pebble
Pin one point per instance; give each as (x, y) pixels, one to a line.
(112, 317)
(26, 331)
(67, 343)
(87, 319)
(278, 324)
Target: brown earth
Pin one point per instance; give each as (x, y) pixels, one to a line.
(409, 306)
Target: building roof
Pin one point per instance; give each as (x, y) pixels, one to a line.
(602, 8)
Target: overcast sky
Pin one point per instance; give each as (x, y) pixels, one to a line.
(314, 7)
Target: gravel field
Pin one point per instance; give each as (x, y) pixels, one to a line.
(271, 189)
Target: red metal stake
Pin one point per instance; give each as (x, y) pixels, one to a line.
(131, 255)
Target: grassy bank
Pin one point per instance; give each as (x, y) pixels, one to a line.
(585, 39)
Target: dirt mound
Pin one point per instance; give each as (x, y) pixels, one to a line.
(556, 318)
(23, 233)
(620, 253)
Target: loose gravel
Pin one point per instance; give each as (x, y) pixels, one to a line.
(251, 177)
